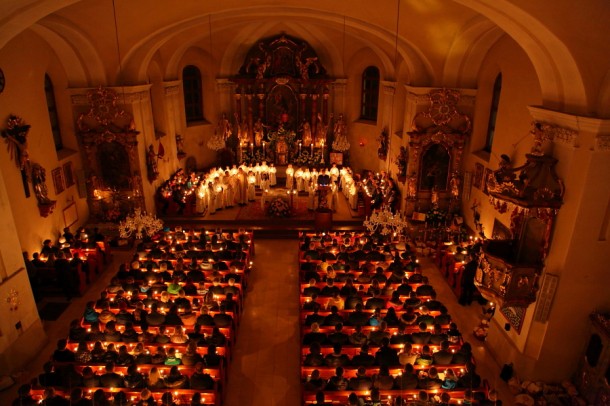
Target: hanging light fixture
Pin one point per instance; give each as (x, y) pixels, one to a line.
(385, 222)
(139, 224)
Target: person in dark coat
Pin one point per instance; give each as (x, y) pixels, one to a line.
(467, 282)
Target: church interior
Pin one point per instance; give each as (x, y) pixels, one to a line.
(456, 132)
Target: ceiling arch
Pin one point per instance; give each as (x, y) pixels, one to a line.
(560, 79)
(75, 51)
(467, 52)
(380, 40)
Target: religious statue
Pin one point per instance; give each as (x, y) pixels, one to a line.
(340, 128)
(539, 138)
(434, 198)
(262, 67)
(39, 182)
(17, 145)
(322, 128)
(307, 139)
(382, 151)
(505, 172)
(412, 186)
(151, 164)
(243, 131)
(454, 185)
(224, 127)
(259, 132)
(180, 146)
(401, 162)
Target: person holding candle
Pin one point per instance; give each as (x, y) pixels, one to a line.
(289, 177)
(251, 192)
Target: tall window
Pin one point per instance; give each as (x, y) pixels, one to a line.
(53, 117)
(370, 94)
(493, 113)
(193, 96)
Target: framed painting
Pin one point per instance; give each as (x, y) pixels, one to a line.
(68, 174)
(486, 175)
(58, 180)
(478, 175)
(467, 185)
(70, 215)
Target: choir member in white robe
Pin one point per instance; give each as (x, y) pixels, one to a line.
(334, 174)
(289, 177)
(257, 173)
(211, 197)
(230, 191)
(264, 189)
(314, 176)
(332, 196)
(242, 182)
(311, 195)
(251, 186)
(200, 198)
(272, 175)
(220, 196)
(298, 176)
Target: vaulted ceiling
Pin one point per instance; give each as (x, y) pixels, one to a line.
(419, 42)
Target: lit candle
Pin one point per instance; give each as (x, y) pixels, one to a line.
(299, 148)
(263, 148)
(312, 148)
(251, 147)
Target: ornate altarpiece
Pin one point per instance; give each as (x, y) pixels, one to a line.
(436, 145)
(112, 166)
(281, 85)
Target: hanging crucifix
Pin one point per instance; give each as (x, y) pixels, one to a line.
(15, 136)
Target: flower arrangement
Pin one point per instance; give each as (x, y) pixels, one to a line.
(307, 159)
(279, 207)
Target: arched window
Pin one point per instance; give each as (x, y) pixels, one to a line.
(370, 94)
(193, 95)
(594, 350)
(53, 117)
(493, 113)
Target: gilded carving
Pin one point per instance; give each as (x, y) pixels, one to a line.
(602, 143)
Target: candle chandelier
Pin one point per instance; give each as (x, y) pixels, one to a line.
(341, 144)
(385, 222)
(216, 143)
(139, 224)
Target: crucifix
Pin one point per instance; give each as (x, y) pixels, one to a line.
(15, 136)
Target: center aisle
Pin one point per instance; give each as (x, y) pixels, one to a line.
(265, 369)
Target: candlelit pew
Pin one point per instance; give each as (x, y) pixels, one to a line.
(387, 396)
(184, 396)
(351, 371)
(351, 350)
(367, 330)
(151, 348)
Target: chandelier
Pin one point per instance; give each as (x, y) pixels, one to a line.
(341, 144)
(385, 222)
(216, 143)
(139, 224)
